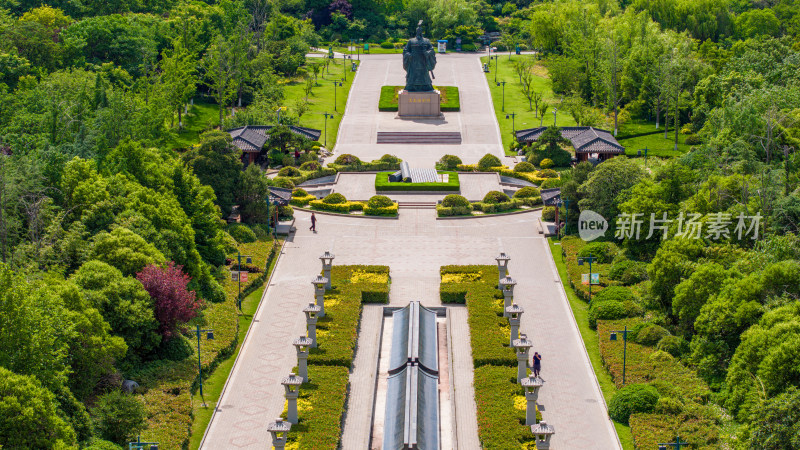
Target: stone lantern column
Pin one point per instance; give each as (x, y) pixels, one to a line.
(522, 346)
(280, 432)
(292, 386)
(303, 345)
(514, 313)
(319, 292)
(507, 286)
(543, 432)
(531, 385)
(312, 311)
(327, 263)
(502, 266)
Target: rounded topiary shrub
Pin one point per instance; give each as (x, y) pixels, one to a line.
(450, 162)
(550, 183)
(549, 213)
(628, 272)
(379, 201)
(334, 199)
(242, 233)
(603, 251)
(614, 293)
(387, 158)
(494, 197)
(546, 163)
(693, 139)
(283, 182)
(387, 45)
(674, 345)
(649, 334)
(631, 399)
(299, 192)
(547, 173)
(347, 159)
(606, 310)
(669, 405)
(524, 167)
(289, 172)
(285, 212)
(527, 192)
(488, 161)
(311, 165)
(455, 200)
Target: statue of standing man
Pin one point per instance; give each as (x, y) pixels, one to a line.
(419, 60)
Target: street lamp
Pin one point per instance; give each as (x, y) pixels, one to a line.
(566, 220)
(613, 337)
(327, 116)
(344, 66)
(495, 66)
(139, 445)
(590, 259)
(335, 84)
(555, 110)
(504, 94)
(677, 444)
(280, 108)
(209, 336)
(645, 155)
(512, 116)
(248, 260)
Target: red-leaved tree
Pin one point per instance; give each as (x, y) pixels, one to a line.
(173, 302)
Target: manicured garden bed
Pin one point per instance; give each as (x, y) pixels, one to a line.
(500, 401)
(322, 401)
(382, 184)
(449, 98)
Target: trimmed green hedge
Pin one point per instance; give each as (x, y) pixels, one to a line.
(342, 208)
(450, 98)
(319, 408)
(388, 211)
(499, 418)
(382, 184)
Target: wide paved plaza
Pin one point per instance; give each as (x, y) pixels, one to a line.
(414, 246)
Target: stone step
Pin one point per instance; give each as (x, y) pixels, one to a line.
(419, 137)
(417, 205)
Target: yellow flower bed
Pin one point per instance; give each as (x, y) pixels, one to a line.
(360, 276)
(460, 277)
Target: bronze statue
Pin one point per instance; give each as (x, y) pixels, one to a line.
(419, 60)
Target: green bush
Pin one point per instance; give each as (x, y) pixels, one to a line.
(549, 213)
(550, 183)
(547, 173)
(693, 139)
(289, 171)
(527, 192)
(382, 184)
(444, 211)
(469, 47)
(614, 293)
(524, 167)
(488, 161)
(674, 345)
(299, 192)
(493, 197)
(631, 399)
(669, 405)
(559, 156)
(388, 45)
(343, 208)
(605, 310)
(391, 159)
(334, 198)
(347, 159)
(449, 162)
(546, 163)
(455, 200)
(119, 416)
(649, 335)
(311, 166)
(242, 233)
(285, 212)
(493, 208)
(283, 182)
(302, 201)
(628, 272)
(379, 201)
(602, 251)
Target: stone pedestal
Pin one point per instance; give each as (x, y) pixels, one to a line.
(311, 312)
(302, 345)
(319, 292)
(531, 385)
(280, 432)
(419, 105)
(291, 385)
(522, 346)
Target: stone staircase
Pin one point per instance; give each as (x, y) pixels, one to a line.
(421, 137)
(417, 205)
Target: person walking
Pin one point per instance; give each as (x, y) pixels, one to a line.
(537, 364)
(313, 226)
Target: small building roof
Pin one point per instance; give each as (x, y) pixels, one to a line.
(551, 197)
(281, 195)
(251, 138)
(583, 139)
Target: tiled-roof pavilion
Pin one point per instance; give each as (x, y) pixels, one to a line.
(585, 140)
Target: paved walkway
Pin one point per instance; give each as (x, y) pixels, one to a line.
(415, 246)
(361, 186)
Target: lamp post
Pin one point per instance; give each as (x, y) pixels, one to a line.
(327, 116)
(522, 346)
(566, 220)
(645, 155)
(514, 313)
(209, 336)
(613, 337)
(319, 292)
(344, 66)
(335, 83)
(302, 345)
(495, 67)
(280, 432)
(503, 109)
(677, 444)
(280, 108)
(249, 260)
(312, 315)
(543, 432)
(555, 111)
(291, 385)
(327, 264)
(589, 259)
(512, 116)
(507, 286)
(139, 445)
(502, 268)
(531, 385)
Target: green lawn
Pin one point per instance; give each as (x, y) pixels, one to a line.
(581, 311)
(201, 117)
(321, 99)
(449, 98)
(214, 382)
(515, 102)
(382, 184)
